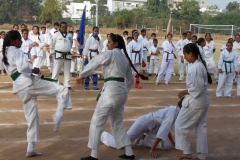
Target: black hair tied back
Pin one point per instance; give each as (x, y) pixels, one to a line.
(195, 51)
(121, 45)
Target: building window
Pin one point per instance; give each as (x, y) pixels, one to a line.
(128, 5)
(117, 4)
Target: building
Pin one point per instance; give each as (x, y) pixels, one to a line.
(75, 10)
(115, 5)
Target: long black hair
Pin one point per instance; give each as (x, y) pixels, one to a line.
(200, 40)
(121, 45)
(195, 51)
(38, 31)
(11, 35)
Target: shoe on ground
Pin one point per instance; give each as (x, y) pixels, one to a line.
(70, 89)
(149, 74)
(124, 156)
(89, 158)
(32, 154)
(95, 88)
(137, 86)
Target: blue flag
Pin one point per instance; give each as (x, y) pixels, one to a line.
(81, 31)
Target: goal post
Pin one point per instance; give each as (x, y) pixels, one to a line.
(198, 29)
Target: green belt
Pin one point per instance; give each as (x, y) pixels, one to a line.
(110, 79)
(28, 55)
(16, 74)
(226, 66)
(145, 48)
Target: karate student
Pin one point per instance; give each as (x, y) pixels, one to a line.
(28, 87)
(168, 60)
(105, 44)
(227, 65)
(125, 35)
(179, 50)
(91, 49)
(15, 27)
(60, 46)
(75, 53)
(153, 36)
(48, 25)
(236, 45)
(184, 62)
(116, 66)
(55, 28)
(39, 43)
(209, 50)
(3, 34)
(145, 44)
(193, 114)
(135, 53)
(28, 47)
(225, 45)
(153, 128)
(201, 43)
(194, 39)
(154, 58)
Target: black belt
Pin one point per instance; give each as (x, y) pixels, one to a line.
(137, 53)
(91, 50)
(170, 53)
(64, 55)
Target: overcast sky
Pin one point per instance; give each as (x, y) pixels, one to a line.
(221, 3)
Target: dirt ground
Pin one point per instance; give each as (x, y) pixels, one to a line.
(70, 143)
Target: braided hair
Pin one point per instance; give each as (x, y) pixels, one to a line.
(11, 35)
(121, 45)
(195, 51)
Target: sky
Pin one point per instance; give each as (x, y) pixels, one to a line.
(221, 3)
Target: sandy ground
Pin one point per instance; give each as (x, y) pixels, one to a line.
(70, 143)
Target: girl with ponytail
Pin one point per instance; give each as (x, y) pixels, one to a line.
(193, 114)
(112, 97)
(28, 87)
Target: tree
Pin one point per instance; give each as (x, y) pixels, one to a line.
(158, 8)
(102, 10)
(19, 11)
(91, 1)
(53, 10)
(188, 10)
(124, 18)
(232, 6)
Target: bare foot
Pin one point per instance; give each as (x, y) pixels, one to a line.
(184, 156)
(166, 83)
(219, 96)
(156, 83)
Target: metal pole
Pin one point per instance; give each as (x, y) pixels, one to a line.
(96, 12)
(232, 32)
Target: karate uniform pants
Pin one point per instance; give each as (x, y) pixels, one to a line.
(145, 60)
(228, 80)
(144, 124)
(189, 118)
(48, 63)
(1, 62)
(153, 67)
(76, 62)
(58, 64)
(38, 62)
(166, 69)
(183, 68)
(29, 98)
(113, 106)
(137, 66)
(211, 66)
(179, 63)
(238, 86)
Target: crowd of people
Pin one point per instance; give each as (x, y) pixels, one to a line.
(121, 57)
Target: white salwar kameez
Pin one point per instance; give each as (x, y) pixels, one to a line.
(209, 58)
(167, 62)
(193, 114)
(227, 75)
(113, 97)
(155, 125)
(28, 87)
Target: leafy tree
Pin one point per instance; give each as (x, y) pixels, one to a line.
(158, 8)
(232, 6)
(124, 18)
(102, 10)
(52, 10)
(19, 11)
(188, 10)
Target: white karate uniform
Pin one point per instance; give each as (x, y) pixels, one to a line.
(1, 56)
(223, 47)
(201, 50)
(145, 44)
(227, 75)
(28, 87)
(154, 59)
(75, 61)
(39, 61)
(48, 62)
(193, 114)
(167, 63)
(238, 78)
(236, 48)
(183, 67)
(155, 125)
(179, 49)
(136, 58)
(105, 46)
(25, 48)
(62, 44)
(53, 31)
(113, 97)
(209, 58)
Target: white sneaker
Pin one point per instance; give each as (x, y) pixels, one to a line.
(33, 153)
